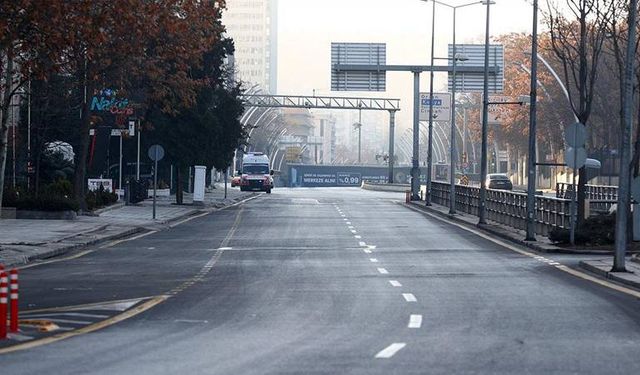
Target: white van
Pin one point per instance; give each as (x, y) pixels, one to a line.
(255, 173)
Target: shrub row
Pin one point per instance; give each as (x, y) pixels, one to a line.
(55, 197)
(596, 230)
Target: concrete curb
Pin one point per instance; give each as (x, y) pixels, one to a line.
(114, 206)
(505, 235)
(67, 249)
(601, 271)
(117, 236)
(400, 188)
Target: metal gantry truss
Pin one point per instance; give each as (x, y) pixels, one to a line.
(321, 102)
(331, 102)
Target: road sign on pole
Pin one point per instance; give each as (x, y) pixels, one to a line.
(575, 135)
(575, 158)
(156, 153)
(441, 106)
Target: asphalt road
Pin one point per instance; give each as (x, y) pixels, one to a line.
(326, 281)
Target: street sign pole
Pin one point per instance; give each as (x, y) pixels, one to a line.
(392, 130)
(226, 178)
(572, 231)
(138, 156)
(155, 153)
(120, 164)
(415, 170)
(155, 181)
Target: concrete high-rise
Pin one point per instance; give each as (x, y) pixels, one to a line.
(253, 25)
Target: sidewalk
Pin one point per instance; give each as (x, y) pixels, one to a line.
(600, 267)
(24, 241)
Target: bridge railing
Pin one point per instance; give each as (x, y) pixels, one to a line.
(506, 207)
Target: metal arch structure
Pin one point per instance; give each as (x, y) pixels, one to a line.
(257, 100)
(320, 102)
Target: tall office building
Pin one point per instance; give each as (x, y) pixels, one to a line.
(253, 25)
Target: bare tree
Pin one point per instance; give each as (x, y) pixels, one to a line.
(577, 37)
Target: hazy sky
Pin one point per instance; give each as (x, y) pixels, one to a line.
(307, 28)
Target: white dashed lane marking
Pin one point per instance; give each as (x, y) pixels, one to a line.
(409, 297)
(390, 350)
(395, 283)
(362, 243)
(367, 251)
(358, 236)
(373, 260)
(415, 321)
(383, 271)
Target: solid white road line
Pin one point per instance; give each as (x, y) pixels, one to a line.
(391, 350)
(395, 283)
(409, 297)
(415, 321)
(69, 321)
(80, 315)
(373, 260)
(383, 271)
(18, 337)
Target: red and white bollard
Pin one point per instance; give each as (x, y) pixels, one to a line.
(13, 298)
(3, 305)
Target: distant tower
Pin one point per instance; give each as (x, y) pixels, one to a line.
(253, 25)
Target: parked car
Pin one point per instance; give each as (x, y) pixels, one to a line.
(499, 181)
(235, 181)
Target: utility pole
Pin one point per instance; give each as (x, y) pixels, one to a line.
(532, 161)
(623, 190)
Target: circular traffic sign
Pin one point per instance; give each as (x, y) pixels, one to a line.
(575, 135)
(575, 157)
(156, 152)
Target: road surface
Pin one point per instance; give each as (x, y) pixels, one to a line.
(323, 281)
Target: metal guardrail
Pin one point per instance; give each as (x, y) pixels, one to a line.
(601, 198)
(594, 192)
(506, 207)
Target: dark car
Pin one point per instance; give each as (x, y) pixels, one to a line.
(499, 181)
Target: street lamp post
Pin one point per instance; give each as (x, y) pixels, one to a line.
(482, 209)
(531, 167)
(427, 197)
(453, 158)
